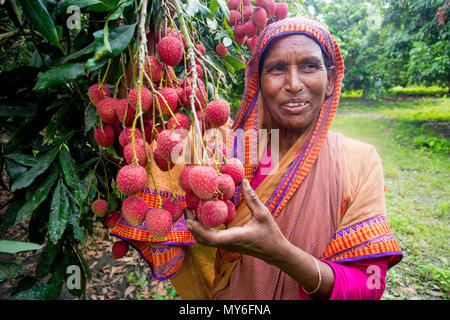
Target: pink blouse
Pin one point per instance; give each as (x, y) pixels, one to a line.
(357, 280)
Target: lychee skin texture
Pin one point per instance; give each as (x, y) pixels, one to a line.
(170, 50)
(201, 48)
(123, 107)
(247, 12)
(105, 138)
(161, 162)
(171, 100)
(217, 112)
(99, 207)
(259, 18)
(184, 178)
(158, 222)
(119, 249)
(106, 110)
(212, 213)
(111, 218)
(134, 210)
(281, 10)
(184, 123)
(146, 99)
(131, 179)
(233, 4)
(250, 29)
(155, 71)
(204, 182)
(140, 152)
(97, 94)
(235, 169)
(125, 136)
(239, 31)
(200, 93)
(235, 17)
(231, 212)
(221, 50)
(192, 201)
(226, 186)
(170, 144)
(174, 207)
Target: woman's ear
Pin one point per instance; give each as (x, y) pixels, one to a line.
(331, 79)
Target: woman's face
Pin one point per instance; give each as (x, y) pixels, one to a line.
(294, 82)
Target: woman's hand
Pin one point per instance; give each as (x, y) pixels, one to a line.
(259, 237)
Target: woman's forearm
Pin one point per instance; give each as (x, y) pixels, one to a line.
(301, 267)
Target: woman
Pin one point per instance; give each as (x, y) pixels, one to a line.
(315, 227)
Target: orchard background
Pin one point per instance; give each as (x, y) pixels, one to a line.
(395, 96)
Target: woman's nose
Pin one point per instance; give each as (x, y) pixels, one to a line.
(294, 83)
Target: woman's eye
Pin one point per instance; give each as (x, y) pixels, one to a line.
(310, 67)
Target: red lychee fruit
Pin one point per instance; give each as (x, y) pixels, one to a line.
(140, 152)
(281, 10)
(158, 222)
(174, 207)
(106, 110)
(199, 70)
(192, 201)
(148, 127)
(162, 163)
(146, 99)
(233, 4)
(97, 93)
(155, 71)
(217, 112)
(184, 178)
(250, 44)
(170, 144)
(124, 112)
(131, 179)
(200, 93)
(240, 41)
(259, 18)
(170, 50)
(221, 50)
(235, 169)
(99, 207)
(111, 218)
(119, 249)
(250, 29)
(168, 78)
(212, 213)
(226, 186)
(235, 17)
(201, 48)
(170, 32)
(134, 210)
(183, 126)
(247, 12)
(170, 100)
(204, 182)
(125, 136)
(231, 212)
(239, 31)
(270, 7)
(106, 137)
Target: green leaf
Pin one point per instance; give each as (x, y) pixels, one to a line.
(16, 108)
(235, 62)
(23, 159)
(71, 176)
(119, 38)
(27, 178)
(224, 8)
(10, 246)
(86, 50)
(74, 218)
(59, 213)
(41, 20)
(47, 258)
(14, 169)
(106, 37)
(90, 118)
(11, 270)
(38, 293)
(57, 279)
(37, 197)
(59, 75)
(214, 5)
(9, 217)
(55, 123)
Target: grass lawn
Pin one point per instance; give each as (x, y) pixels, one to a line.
(412, 138)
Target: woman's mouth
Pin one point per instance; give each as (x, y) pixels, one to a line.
(294, 107)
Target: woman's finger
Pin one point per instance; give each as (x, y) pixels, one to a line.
(252, 201)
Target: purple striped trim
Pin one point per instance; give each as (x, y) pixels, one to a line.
(358, 226)
(369, 256)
